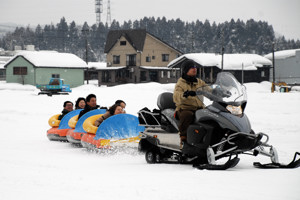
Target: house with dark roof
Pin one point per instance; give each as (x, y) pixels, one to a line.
(136, 56)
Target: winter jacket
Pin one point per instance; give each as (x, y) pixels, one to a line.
(102, 118)
(63, 113)
(191, 102)
(86, 109)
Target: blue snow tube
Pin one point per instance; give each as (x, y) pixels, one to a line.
(78, 127)
(119, 126)
(65, 120)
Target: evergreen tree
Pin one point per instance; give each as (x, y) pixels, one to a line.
(235, 36)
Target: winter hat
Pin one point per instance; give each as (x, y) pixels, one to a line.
(187, 65)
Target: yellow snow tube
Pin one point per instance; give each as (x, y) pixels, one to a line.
(73, 121)
(53, 121)
(89, 124)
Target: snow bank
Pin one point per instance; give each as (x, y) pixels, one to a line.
(16, 86)
(32, 167)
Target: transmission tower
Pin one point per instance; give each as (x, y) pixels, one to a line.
(98, 10)
(108, 17)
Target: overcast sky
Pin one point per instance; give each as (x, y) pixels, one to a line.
(284, 15)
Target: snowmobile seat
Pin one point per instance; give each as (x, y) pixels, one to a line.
(167, 107)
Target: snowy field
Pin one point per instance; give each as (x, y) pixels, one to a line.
(32, 167)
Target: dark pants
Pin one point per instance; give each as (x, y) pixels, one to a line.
(186, 117)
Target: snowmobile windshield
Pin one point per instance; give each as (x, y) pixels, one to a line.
(226, 89)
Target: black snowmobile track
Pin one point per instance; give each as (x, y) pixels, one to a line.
(294, 164)
(229, 164)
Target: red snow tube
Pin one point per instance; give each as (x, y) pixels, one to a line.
(73, 137)
(87, 141)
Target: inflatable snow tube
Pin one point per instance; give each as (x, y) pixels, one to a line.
(70, 134)
(118, 129)
(74, 135)
(73, 121)
(91, 129)
(89, 124)
(53, 121)
(59, 133)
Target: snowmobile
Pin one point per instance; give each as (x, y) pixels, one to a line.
(221, 131)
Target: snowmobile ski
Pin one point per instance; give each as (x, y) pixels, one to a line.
(229, 164)
(294, 164)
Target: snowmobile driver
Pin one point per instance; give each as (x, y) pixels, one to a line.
(185, 98)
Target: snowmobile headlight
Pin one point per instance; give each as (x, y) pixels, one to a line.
(235, 110)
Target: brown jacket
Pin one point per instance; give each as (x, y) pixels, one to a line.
(189, 103)
(102, 118)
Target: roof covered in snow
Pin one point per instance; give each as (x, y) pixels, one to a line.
(103, 66)
(155, 68)
(282, 54)
(230, 61)
(97, 65)
(51, 59)
(3, 60)
(2, 63)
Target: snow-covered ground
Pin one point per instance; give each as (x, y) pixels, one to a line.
(32, 167)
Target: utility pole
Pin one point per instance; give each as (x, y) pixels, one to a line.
(85, 31)
(223, 49)
(273, 63)
(222, 62)
(242, 73)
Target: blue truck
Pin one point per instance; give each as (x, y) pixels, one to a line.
(55, 86)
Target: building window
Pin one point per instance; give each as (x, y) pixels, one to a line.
(116, 59)
(165, 57)
(131, 60)
(20, 70)
(148, 59)
(55, 76)
(169, 74)
(122, 43)
(263, 74)
(162, 74)
(153, 57)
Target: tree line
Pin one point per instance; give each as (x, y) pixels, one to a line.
(188, 37)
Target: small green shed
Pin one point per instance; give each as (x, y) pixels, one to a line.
(37, 67)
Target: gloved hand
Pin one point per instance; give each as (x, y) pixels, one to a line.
(189, 93)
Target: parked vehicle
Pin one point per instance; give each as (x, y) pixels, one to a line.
(55, 86)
